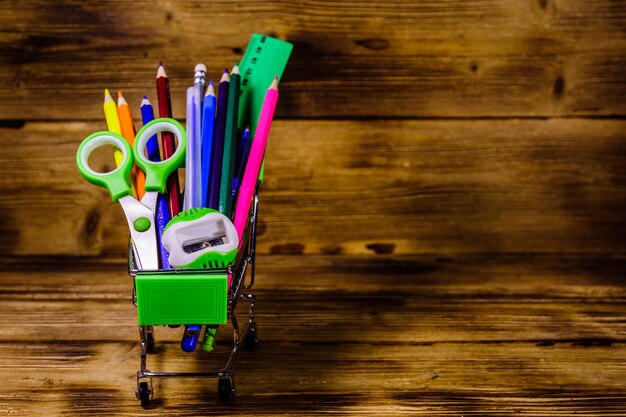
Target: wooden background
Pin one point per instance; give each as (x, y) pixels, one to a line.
(442, 225)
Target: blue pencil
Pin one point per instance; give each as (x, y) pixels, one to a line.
(147, 114)
(208, 122)
(162, 216)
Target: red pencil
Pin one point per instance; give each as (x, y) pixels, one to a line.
(168, 143)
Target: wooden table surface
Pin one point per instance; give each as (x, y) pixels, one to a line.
(442, 226)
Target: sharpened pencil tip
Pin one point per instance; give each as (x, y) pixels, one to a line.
(107, 96)
(225, 70)
(120, 99)
(161, 71)
(210, 90)
(145, 102)
(274, 84)
(145, 97)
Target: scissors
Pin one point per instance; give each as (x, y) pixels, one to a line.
(139, 214)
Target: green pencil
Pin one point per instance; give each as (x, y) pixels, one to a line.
(230, 143)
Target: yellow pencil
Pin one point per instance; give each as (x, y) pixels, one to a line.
(128, 131)
(113, 125)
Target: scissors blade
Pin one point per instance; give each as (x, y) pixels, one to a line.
(149, 200)
(144, 238)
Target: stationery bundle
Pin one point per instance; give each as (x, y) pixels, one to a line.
(189, 249)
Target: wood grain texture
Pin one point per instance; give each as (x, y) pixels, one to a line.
(336, 338)
(452, 58)
(359, 187)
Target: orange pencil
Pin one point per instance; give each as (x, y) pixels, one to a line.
(128, 131)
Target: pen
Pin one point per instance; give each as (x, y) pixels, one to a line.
(193, 175)
(240, 161)
(199, 80)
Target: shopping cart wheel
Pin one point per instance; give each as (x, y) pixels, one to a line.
(143, 393)
(225, 389)
(251, 338)
(150, 343)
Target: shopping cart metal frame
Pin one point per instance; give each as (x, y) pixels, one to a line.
(245, 338)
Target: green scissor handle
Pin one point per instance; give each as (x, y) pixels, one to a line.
(158, 172)
(118, 181)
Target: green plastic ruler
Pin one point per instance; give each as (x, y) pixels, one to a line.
(265, 57)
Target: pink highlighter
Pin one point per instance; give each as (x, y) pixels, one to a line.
(253, 166)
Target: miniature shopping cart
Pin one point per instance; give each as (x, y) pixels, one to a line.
(196, 296)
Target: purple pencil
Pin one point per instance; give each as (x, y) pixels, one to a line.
(213, 194)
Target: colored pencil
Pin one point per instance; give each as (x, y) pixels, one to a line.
(167, 139)
(230, 144)
(208, 122)
(162, 216)
(113, 125)
(253, 166)
(217, 149)
(128, 131)
(193, 175)
(147, 115)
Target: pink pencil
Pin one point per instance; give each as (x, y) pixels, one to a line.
(255, 158)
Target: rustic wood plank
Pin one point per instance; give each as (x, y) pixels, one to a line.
(342, 299)
(358, 187)
(448, 379)
(560, 356)
(369, 59)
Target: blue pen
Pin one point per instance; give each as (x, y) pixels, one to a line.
(192, 331)
(243, 148)
(199, 80)
(193, 177)
(208, 122)
(162, 216)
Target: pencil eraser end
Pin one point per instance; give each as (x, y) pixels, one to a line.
(200, 67)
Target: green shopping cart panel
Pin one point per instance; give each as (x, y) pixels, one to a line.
(181, 298)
